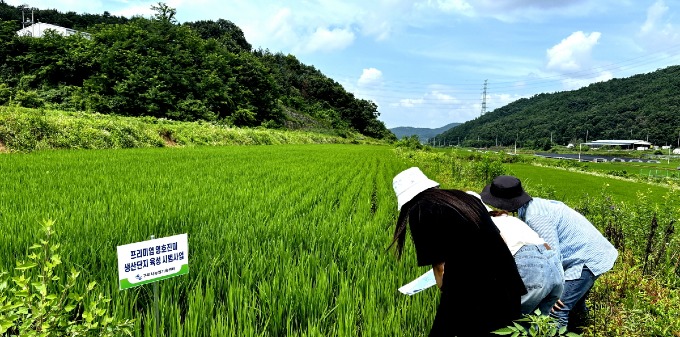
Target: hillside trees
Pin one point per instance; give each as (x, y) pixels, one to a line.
(224, 31)
(305, 88)
(643, 107)
(157, 67)
(153, 67)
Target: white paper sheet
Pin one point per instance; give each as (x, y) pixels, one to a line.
(421, 283)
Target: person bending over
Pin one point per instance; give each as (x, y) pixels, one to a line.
(475, 271)
(585, 253)
(537, 263)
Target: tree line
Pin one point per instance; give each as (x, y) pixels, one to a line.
(203, 70)
(642, 107)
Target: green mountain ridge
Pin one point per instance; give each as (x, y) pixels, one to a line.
(643, 106)
(423, 133)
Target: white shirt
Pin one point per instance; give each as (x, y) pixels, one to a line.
(516, 233)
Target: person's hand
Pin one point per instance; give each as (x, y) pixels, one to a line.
(558, 306)
(439, 274)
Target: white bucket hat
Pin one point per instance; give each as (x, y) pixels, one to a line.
(408, 183)
(488, 209)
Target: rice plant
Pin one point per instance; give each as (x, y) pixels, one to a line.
(285, 240)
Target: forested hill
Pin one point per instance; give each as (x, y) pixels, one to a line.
(644, 106)
(204, 70)
(423, 133)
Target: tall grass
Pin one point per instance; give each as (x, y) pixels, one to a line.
(25, 130)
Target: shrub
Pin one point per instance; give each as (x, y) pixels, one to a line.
(36, 301)
(28, 99)
(410, 142)
(535, 325)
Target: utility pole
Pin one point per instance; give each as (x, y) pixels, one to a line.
(483, 99)
(23, 15)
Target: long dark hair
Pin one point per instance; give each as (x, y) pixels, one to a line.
(467, 206)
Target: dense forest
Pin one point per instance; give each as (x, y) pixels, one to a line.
(644, 107)
(204, 70)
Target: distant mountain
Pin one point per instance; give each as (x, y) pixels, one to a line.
(422, 133)
(643, 106)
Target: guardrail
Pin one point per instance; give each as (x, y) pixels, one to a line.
(653, 173)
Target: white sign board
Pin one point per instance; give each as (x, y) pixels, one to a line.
(153, 260)
(421, 283)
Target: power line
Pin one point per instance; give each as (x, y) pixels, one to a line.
(540, 82)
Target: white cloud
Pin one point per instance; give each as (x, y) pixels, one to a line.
(370, 77)
(328, 40)
(442, 97)
(655, 13)
(495, 101)
(573, 53)
(433, 99)
(517, 5)
(374, 26)
(280, 28)
(448, 6)
(409, 102)
(540, 10)
(658, 31)
(575, 83)
(571, 58)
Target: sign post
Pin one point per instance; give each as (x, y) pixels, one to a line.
(156, 312)
(150, 261)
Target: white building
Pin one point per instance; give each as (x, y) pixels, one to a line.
(624, 144)
(38, 30)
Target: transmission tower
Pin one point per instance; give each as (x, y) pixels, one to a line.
(483, 99)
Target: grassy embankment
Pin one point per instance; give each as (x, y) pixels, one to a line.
(24, 130)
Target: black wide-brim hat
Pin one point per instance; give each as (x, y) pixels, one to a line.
(506, 193)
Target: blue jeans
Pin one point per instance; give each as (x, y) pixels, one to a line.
(541, 271)
(574, 300)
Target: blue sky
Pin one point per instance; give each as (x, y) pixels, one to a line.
(425, 62)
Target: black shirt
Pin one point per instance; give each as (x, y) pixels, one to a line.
(482, 289)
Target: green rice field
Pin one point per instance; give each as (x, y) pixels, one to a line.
(285, 240)
(571, 186)
(291, 240)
